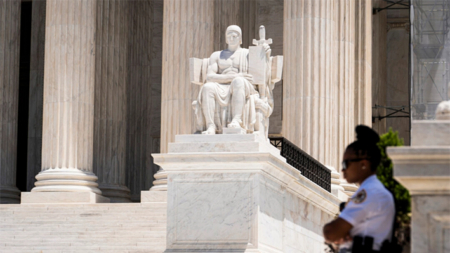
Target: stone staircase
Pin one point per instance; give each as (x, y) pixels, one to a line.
(127, 227)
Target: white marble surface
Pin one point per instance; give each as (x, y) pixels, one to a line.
(200, 213)
(430, 224)
(196, 143)
(430, 133)
(243, 201)
(153, 196)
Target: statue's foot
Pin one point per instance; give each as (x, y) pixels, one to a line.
(234, 124)
(210, 130)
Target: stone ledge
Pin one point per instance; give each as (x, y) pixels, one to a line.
(62, 198)
(153, 196)
(422, 170)
(215, 138)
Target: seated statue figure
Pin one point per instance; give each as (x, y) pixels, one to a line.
(228, 96)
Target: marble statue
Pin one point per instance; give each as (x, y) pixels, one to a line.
(236, 86)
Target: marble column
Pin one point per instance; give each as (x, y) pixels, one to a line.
(309, 59)
(188, 31)
(143, 93)
(36, 92)
(110, 99)
(69, 80)
(345, 76)
(9, 98)
(379, 63)
(363, 62)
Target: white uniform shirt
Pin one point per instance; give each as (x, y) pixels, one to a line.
(371, 212)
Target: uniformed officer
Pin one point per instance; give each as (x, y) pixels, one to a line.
(370, 211)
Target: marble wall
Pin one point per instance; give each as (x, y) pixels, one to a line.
(251, 211)
(220, 199)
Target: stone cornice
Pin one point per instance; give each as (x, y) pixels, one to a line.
(422, 170)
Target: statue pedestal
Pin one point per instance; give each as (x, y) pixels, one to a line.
(424, 169)
(236, 193)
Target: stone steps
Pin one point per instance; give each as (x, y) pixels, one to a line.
(130, 227)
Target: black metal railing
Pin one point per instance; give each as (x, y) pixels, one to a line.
(307, 165)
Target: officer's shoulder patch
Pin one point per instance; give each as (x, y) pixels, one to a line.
(360, 197)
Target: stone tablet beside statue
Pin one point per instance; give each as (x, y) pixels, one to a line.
(236, 86)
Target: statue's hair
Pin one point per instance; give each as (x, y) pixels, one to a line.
(366, 145)
(234, 28)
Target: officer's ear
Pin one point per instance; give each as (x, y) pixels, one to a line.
(365, 164)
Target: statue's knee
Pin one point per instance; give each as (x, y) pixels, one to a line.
(238, 82)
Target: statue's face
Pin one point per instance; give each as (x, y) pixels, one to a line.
(233, 38)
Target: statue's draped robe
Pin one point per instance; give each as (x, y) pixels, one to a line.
(223, 94)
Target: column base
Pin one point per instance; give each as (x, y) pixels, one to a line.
(9, 195)
(66, 180)
(349, 189)
(62, 197)
(160, 184)
(336, 188)
(116, 193)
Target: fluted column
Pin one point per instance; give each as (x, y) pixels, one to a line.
(308, 81)
(345, 76)
(69, 78)
(363, 62)
(35, 101)
(187, 32)
(110, 99)
(9, 97)
(143, 93)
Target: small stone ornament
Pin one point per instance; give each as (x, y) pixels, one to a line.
(443, 111)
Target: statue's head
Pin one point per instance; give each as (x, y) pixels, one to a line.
(233, 35)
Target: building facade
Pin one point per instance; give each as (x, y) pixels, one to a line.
(96, 87)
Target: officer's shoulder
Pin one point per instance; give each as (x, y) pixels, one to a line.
(377, 192)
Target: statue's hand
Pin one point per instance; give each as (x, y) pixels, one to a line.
(266, 47)
(247, 76)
